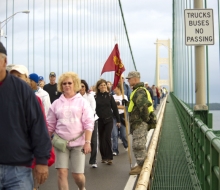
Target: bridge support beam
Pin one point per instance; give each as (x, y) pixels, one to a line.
(200, 109)
(167, 61)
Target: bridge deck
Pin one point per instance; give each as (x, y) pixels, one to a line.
(172, 169)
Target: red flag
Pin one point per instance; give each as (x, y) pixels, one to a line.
(114, 63)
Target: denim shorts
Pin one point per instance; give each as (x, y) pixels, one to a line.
(15, 177)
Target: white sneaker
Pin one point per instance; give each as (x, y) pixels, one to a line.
(94, 165)
(126, 149)
(114, 154)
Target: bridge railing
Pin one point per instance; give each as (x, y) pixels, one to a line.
(203, 144)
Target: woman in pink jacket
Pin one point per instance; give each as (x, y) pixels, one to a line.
(71, 118)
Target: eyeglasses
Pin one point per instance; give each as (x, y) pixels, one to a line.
(83, 86)
(65, 83)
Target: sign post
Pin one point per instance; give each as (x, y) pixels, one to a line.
(199, 31)
(199, 27)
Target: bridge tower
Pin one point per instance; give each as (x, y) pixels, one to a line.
(162, 60)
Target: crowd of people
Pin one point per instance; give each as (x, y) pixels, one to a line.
(61, 122)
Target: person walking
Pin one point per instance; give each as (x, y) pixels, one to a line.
(119, 130)
(41, 81)
(84, 91)
(139, 109)
(105, 109)
(21, 122)
(21, 72)
(44, 96)
(71, 120)
(51, 87)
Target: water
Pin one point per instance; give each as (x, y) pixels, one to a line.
(216, 119)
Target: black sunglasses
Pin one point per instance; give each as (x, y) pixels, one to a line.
(65, 83)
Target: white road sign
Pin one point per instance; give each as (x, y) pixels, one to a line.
(199, 27)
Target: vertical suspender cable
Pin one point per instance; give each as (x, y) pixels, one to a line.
(49, 36)
(84, 44)
(28, 65)
(58, 68)
(62, 36)
(77, 37)
(68, 38)
(44, 37)
(6, 30)
(33, 34)
(13, 34)
(72, 36)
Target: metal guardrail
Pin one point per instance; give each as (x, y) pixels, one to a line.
(203, 144)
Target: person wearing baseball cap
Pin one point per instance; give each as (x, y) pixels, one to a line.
(51, 87)
(21, 121)
(20, 71)
(138, 117)
(41, 82)
(44, 96)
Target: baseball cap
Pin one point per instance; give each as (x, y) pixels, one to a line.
(146, 83)
(34, 77)
(133, 74)
(52, 74)
(21, 69)
(41, 78)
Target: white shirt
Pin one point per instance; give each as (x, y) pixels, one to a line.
(45, 98)
(91, 99)
(119, 99)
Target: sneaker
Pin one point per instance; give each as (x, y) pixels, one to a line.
(94, 165)
(109, 162)
(126, 149)
(103, 161)
(115, 154)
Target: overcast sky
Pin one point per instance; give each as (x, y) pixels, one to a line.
(146, 21)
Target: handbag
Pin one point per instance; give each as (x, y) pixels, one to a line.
(61, 143)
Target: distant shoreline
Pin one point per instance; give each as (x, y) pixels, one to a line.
(212, 106)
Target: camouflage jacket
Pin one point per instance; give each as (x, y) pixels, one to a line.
(139, 113)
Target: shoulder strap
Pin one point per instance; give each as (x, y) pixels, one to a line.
(77, 137)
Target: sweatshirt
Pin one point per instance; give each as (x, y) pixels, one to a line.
(106, 106)
(68, 118)
(23, 131)
(45, 98)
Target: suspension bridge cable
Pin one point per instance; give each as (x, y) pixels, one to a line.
(127, 34)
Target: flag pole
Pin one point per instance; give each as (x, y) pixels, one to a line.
(126, 124)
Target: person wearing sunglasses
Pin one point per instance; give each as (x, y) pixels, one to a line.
(84, 91)
(71, 118)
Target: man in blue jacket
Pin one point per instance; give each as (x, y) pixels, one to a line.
(23, 133)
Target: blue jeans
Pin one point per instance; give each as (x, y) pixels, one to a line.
(115, 132)
(15, 177)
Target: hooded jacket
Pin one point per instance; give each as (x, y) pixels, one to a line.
(68, 118)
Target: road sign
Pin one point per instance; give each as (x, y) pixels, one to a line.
(199, 27)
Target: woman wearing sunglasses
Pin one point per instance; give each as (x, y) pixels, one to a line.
(71, 118)
(84, 91)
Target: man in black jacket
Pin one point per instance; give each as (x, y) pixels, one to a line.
(23, 132)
